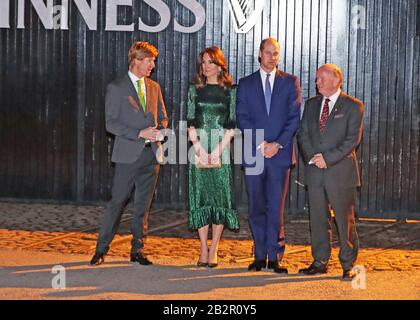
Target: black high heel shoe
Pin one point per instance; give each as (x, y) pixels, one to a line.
(202, 264)
(213, 265)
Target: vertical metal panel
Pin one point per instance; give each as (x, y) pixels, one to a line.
(38, 117)
(411, 180)
(53, 82)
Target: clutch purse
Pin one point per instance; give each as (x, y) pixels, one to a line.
(201, 165)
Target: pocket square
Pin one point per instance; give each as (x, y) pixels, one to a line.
(133, 103)
(338, 116)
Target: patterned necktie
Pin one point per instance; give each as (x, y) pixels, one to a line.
(141, 95)
(267, 93)
(324, 116)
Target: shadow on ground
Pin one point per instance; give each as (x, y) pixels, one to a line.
(122, 277)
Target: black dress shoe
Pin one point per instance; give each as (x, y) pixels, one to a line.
(97, 259)
(349, 275)
(276, 267)
(312, 270)
(212, 265)
(257, 265)
(138, 257)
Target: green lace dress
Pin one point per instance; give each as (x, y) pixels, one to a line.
(211, 190)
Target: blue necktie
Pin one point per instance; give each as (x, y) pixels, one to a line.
(267, 93)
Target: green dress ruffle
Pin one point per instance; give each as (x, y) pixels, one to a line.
(211, 190)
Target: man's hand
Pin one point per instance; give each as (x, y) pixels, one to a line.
(269, 150)
(319, 161)
(151, 134)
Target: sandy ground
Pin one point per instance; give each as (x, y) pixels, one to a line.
(36, 237)
(28, 275)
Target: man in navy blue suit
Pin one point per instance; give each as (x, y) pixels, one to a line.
(268, 113)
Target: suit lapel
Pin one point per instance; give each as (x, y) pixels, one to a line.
(277, 77)
(133, 92)
(316, 113)
(318, 108)
(337, 107)
(151, 98)
(336, 110)
(149, 93)
(276, 86)
(260, 91)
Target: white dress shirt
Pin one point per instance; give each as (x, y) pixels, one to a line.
(264, 77)
(331, 104)
(134, 80)
(263, 80)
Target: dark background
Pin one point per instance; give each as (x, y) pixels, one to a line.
(52, 134)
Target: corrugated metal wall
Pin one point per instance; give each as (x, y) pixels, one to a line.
(52, 83)
(38, 123)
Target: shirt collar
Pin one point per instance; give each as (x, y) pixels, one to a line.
(264, 74)
(134, 78)
(334, 97)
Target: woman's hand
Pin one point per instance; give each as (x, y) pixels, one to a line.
(201, 154)
(218, 151)
(216, 155)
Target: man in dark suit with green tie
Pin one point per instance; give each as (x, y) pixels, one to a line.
(330, 131)
(134, 112)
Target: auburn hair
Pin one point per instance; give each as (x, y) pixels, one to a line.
(217, 57)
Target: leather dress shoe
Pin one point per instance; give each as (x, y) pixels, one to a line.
(138, 257)
(276, 266)
(348, 275)
(97, 259)
(212, 265)
(257, 265)
(312, 270)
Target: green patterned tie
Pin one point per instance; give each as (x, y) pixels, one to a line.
(141, 95)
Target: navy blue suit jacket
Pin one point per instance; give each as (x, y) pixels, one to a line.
(282, 122)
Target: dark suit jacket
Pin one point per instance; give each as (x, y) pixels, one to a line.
(282, 122)
(125, 117)
(337, 144)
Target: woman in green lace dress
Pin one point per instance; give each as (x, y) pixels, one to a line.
(211, 123)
